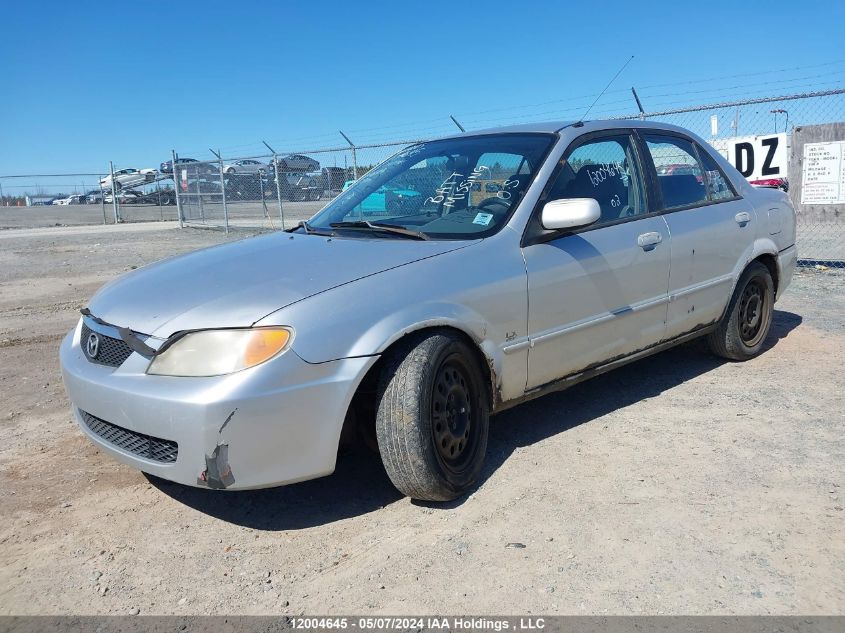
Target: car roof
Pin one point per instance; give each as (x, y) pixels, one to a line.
(556, 126)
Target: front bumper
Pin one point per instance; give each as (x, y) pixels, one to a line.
(273, 424)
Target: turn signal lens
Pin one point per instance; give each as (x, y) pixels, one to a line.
(265, 344)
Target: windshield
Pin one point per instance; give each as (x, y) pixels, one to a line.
(460, 188)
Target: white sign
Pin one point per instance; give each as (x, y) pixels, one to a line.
(756, 157)
(823, 173)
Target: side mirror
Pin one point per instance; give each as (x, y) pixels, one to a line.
(570, 213)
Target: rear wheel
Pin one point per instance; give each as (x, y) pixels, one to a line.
(746, 324)
(432, 417)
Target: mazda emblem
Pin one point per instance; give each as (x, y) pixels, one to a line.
(93, 345)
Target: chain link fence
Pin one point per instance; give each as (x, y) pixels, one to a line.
(795, 142)
(792, 142)
(272, 191)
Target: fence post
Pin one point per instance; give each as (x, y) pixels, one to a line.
(103, 202)
(158, 195)
(354, 155)
(113, 193)
(176, 189)
(223, 189)
(279, 189)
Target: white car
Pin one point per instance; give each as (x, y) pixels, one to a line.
(124, 197)
(129, 177)
(246, 166)
(61, 201)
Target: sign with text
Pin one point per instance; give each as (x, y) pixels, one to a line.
(823, 173)
(756, 157)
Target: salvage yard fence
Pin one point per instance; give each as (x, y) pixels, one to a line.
(795, 142)
(269, 191)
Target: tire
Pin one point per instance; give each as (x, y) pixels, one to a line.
(745, 326)
(231, 170)
(432, 417)
(315, 194)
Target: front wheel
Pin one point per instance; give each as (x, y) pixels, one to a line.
(432, 417)
(745, 326)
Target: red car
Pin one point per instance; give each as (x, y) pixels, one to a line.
(771, 183)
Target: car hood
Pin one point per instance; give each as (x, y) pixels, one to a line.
(237, 284)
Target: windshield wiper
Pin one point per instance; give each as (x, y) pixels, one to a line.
(381, 228)
(310, 230)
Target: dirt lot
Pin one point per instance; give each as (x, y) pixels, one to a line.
(678, 485)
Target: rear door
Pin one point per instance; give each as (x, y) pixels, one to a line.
(599, 292)
(711, 227)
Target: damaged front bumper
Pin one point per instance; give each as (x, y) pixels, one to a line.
(273, 424)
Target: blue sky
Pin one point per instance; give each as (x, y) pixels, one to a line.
(85, 82)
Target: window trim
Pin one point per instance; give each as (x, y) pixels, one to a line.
(534, 233)
(658, 193)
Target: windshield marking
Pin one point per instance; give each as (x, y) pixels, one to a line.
(444, 193)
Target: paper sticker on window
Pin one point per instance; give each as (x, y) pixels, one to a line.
(483, 219)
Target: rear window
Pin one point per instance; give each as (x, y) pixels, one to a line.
(680, 175)
(718, 185)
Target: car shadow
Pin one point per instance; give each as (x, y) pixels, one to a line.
(360, 485)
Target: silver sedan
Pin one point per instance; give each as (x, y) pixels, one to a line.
(460, 277)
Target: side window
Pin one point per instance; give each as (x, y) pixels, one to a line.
(679, 174)
(605, 169)
(718, 185)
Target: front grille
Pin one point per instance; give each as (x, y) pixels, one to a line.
(109, 351)
(146, 446)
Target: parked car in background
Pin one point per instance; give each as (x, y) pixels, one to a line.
(772, 183)
(298, 162)
(246, 166)
(74, 199)
(677, 169)
(334, 177)
(163, 197)
(389, 200)
(129, 177)
(241, 366)
(298, 187)
(95, 196)
(125, 196)
(167, 166)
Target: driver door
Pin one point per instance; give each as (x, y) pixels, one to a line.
(600, 292)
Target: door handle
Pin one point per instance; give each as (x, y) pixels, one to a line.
(742, 218)
(648, 241)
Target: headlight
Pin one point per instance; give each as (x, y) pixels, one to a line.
(217, 352)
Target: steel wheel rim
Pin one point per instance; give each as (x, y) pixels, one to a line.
(753, 310)
(454, 415)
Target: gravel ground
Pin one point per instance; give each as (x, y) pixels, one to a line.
(679, 485)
